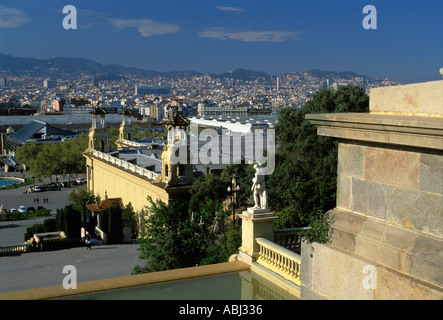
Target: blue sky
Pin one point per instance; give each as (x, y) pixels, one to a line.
(274, 36)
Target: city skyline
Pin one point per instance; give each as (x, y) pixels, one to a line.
(217, 36)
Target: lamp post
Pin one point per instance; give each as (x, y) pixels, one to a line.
(86, 222)
(84, 212)
(233, 191)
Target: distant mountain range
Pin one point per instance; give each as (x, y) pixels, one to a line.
(63, 65)
(70, 66)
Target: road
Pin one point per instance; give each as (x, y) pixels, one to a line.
(42, 269)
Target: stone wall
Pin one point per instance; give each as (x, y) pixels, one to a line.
(387, 225)
(403, 187)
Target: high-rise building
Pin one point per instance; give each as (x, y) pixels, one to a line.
(3, 82)
(94, 82)
(50, 83)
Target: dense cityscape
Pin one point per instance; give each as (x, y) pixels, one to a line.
(237, 93)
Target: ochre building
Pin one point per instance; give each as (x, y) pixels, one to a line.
(130, 174)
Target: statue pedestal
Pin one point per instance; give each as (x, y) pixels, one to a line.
(256, 223)
(257, 210)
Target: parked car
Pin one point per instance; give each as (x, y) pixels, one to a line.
(22, 209)
(30, 209)
(80, 180)
(13, 210)
(36, 189)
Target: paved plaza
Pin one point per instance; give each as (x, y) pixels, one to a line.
(42, 269)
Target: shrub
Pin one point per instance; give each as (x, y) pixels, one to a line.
(42, 212)
(320, 230)
(60, 244)
(36, 228)
(50, 225)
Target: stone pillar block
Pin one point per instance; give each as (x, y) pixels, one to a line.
(419, 99)
(255, 224)
(431, 173)
(392, 167)
(351, 160)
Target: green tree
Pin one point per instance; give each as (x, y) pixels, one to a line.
(27, 153)
(209, 186)
(71, 158)
(215, 187)
(47, 159)
(47, 162)
(173, 236)
(168, 238)
(68, 220)
(128, 214)
(79, 197)
(304, 181)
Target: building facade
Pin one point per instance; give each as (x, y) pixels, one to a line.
(50, 83)
(142, 90)
(207, 109)
(130, 175)
(3, 83)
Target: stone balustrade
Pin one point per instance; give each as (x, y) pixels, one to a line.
(289, 238)
(126, 165)
(17, 249)
(131, 143)
(283, 262)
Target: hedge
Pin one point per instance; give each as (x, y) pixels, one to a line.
(111, 223)
(25, 215)
(49, 225)
(60, 244)
(68, 220)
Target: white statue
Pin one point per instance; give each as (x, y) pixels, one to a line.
(259, 188)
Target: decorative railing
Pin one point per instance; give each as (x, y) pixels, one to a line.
(280, 260)
(133, 143)
(126, 165)
(289, 238)
(17, 249)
